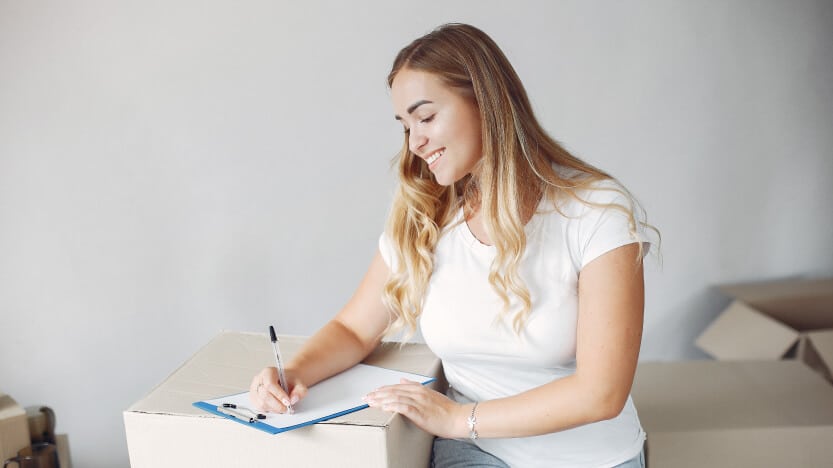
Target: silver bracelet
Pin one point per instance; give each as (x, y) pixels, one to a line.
(472, 421)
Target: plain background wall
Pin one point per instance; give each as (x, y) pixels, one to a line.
(171, 169)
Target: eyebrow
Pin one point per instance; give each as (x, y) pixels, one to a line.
(414, 106)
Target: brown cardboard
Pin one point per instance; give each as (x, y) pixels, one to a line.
(64, 460)
(14, 429)
(769, 319)
(804, 304)
(165, 430)
(762, 337)
(734, 414)
(817, 352)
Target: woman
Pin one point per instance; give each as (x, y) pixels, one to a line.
(521, 263)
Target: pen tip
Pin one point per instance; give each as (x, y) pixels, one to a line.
(272, 334)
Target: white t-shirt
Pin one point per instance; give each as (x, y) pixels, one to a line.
(484, 359)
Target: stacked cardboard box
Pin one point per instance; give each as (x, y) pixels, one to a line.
(764, 401)
(739, 414)
(165, 430)
(773, 320)
(14, 429)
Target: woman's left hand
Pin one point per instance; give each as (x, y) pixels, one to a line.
(432, 411)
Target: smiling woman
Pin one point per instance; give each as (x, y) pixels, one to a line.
(521, 263)
(443, 126)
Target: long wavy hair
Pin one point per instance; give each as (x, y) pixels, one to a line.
(521, 164)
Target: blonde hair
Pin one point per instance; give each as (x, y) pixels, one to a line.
(520, 164)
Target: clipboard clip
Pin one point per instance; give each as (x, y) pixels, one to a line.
(239, 412)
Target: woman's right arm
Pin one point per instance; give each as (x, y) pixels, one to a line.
(340, 344)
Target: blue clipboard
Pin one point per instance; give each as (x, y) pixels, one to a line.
(339, 395)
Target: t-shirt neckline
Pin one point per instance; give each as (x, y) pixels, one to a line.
(477, 246)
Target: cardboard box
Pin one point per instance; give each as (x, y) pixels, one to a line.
(773, 320)
(14, 428)
(62, 441)
(165, 430)
(734, 414)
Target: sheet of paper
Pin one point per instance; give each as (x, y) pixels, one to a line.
(336, 396)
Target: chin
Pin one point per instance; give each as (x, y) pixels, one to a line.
(445, 180)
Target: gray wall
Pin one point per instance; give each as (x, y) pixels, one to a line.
(172, 169)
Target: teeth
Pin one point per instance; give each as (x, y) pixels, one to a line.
(435, 157)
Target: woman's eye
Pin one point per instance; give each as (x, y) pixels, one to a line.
(427, 119)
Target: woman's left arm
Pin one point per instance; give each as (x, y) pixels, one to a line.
(609, 334)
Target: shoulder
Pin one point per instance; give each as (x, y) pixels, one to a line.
(594, 198)
(599, 218)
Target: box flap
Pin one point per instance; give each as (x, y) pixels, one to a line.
(9, 408)
(804, 304)
(228, 362)
(819, 353)
(741, 332)
(724, 395)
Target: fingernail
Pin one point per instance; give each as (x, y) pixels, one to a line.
(295, 399)
(285, 402)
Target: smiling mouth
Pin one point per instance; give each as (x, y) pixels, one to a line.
(434, 157)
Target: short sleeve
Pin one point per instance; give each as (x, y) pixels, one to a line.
(387, 252)
(593, 230)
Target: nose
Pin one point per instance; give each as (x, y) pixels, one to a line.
(416, 141)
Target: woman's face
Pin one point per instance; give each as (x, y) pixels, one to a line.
(443, 126)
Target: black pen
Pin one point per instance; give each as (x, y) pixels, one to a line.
(279, 361)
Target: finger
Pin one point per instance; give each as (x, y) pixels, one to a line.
(298, 392)
(402, 404)
(403, 389)
(410, 411)
(253, 396)
(392, 395)
(278, 400)
(256, 393)
(266, 391)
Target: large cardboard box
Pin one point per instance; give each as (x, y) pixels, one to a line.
(14, 428)
(773, 320)
(734, 414)
(165, 430)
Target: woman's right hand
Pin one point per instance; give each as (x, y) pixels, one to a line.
(267, 395)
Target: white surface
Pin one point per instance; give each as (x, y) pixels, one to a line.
(171, 169)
